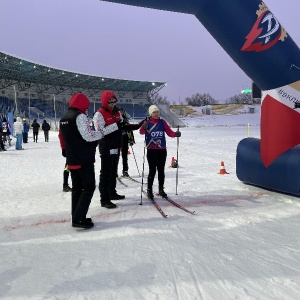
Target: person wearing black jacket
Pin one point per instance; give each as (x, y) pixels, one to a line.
(35, 130)
(109, 121)
(46, 127)
(127, 139)
(78, 143)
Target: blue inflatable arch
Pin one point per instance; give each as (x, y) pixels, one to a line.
(253, 37)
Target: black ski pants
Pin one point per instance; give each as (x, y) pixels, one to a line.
(35, 136)
(83, 187)
(156, 161)
(108, 176)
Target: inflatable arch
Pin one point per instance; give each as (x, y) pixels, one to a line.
(253, 37)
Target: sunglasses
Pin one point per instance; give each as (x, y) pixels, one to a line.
(112, 101)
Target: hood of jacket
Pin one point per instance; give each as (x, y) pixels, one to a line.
(19, 119)
(79, 101)
(105, 97)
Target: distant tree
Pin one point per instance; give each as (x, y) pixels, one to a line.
(240, 99)
(200, 100)
(158, 99)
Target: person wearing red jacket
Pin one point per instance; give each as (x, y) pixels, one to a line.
(154, 129)
(109, 121)
(79, 144)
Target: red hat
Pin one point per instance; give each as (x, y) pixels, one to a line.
(106, 96)
(79, 101)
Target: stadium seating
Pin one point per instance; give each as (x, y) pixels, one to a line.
(46, 107)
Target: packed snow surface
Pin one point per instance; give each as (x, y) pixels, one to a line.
(241, 243)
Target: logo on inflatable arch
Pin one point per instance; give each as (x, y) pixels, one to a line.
(265, 33)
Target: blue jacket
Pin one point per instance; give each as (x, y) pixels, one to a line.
(25, 127)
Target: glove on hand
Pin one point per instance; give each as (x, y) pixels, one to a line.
(178, 134)
(146, 124)
(141, 123)
(63, 152)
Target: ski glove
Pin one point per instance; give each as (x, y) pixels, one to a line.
(146, 125)
(63, 152)
(141, 123)
(178, 134)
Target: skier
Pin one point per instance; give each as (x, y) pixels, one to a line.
(155, 129)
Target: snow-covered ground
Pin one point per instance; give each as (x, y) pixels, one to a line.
(242, 243)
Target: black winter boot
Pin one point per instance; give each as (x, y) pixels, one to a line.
(150, 194)
(108, 205)
(66, 188)
(162, 193)
(125, 174)
(87, 223)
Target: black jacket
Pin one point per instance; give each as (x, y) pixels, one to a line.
(78, 151)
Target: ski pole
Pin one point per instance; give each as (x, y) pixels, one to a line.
(142, 185)
(177, 161)
(135, 160)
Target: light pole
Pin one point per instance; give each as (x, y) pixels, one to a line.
(16, 103)
(54, 112)
(29, 107)
(133, 111)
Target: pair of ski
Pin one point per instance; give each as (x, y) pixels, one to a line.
(129, 178)
(170, 201)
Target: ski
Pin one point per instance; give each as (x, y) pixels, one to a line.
(119, 179)
(132, 179)
(176, 204)
(155, 204)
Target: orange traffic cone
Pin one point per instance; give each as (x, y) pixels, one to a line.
(222, 169)
(172, 160)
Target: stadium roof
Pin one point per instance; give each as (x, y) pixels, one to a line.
(26, 74)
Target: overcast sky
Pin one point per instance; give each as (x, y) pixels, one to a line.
(119, 41)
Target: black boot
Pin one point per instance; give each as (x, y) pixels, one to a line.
(116, 196)
(125, 174)
(66, 188)
(108, 205)
(87, 223)
(162, 193)
(150, 194)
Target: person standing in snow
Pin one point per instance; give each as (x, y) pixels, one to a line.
(66, 173)
(79, 144)
(46, 128)
(155, 128)
(25, 131)
(109, 121)
(5, 130)
(35, 130)
(1, 140)
(127, 139)
(18, 130)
